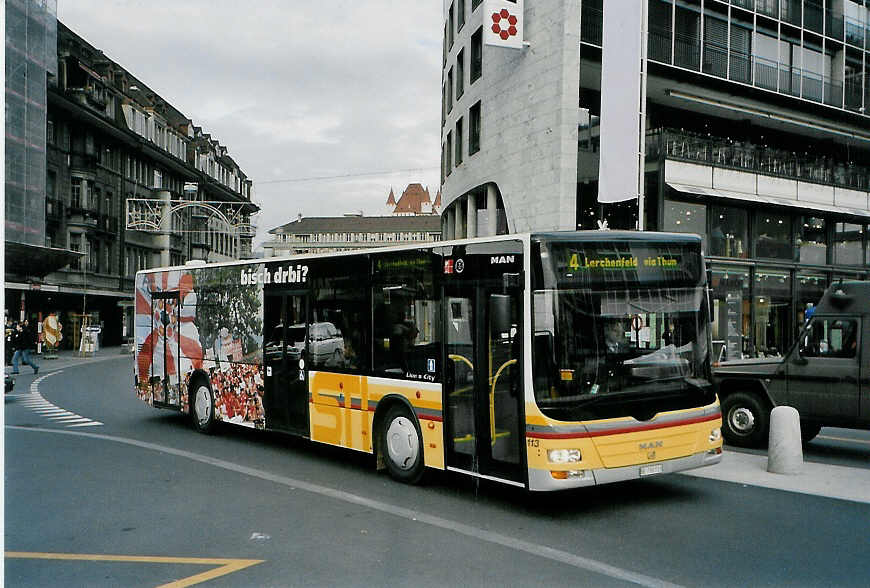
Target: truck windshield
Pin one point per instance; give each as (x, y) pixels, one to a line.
(604, 351)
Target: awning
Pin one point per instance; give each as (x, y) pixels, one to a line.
(768, 200)
(23, 259)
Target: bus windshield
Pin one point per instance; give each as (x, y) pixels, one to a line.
(614, 347)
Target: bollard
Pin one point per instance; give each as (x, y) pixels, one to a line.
(785, 454)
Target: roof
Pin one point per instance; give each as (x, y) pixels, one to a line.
(412, 199)
(360, 224)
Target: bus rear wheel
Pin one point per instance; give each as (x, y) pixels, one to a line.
(202, 406)
(402, 446)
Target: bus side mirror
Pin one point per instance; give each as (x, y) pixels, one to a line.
(499, 313)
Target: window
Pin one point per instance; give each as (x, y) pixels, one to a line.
(773, 235)
(773, 323)
(474, 129)
(828, 337)
(460, 74)
(93, 256)
(475, 4)
(812, 240)
(848, 243)
(450, 28)
(729, 232)
(405, 314)
(75, 244)
(448, 165)
(338, 335)
(459, 141)
(684, 217)
(450, 90)
(75, 200)
(476, 55)
(50, 184)
(49, 132)
(460, 14)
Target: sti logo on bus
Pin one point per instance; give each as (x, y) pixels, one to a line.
(498, 259)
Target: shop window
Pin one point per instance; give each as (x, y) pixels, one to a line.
(812, 240)
(731, 312)
(773, 318)
(848, 243)
(773, 238)
(810, 287)
(729, 232)
(685, 217)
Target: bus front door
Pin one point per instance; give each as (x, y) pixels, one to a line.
(285, 335)
(165, 372)
(483, 384)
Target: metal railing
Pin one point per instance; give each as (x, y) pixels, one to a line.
(762, 159)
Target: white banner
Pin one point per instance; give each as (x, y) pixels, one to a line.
(503, 23)
(620, 101)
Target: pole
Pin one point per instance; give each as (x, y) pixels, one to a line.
(641, 153)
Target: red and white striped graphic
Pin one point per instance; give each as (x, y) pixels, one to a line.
(182, 350)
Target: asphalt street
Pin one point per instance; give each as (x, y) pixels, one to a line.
(117, 479)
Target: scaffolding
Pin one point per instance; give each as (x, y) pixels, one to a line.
(31, 53)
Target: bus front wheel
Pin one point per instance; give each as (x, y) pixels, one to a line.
(202, 406)
(402, 445)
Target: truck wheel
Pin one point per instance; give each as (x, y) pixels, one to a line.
(745, 420)
(809, 431)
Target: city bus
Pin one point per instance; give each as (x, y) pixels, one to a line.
(546, 361)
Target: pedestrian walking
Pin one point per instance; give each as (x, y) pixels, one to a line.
(9, 338)
(25, 342)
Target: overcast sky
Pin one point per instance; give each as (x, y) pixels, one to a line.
(293, 89)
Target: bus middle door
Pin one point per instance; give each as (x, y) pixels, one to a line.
(285, 360)
(482, 384)
(165, 353)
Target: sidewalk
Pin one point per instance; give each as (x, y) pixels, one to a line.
(818, 479)
(68, 357)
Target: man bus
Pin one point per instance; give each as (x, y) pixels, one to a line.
(546, 361)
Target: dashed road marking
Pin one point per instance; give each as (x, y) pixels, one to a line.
(35, 402)
(225, 566)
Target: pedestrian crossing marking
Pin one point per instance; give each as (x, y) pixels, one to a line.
(35, 402)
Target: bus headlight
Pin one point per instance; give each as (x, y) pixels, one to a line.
(564, 455)
(715, 435)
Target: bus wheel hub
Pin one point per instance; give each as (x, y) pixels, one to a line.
(403, 443)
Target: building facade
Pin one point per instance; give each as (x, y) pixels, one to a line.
(117, 154)
(757, 137)
(342, 233)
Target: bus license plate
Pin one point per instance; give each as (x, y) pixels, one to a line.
(649, 470)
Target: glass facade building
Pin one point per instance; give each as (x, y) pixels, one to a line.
(757, 122)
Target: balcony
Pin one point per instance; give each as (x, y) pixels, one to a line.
(83, 217)
(743, 156)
